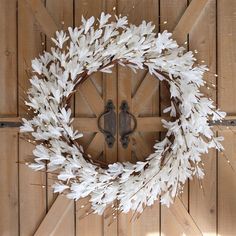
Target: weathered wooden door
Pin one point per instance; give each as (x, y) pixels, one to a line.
(27, 203)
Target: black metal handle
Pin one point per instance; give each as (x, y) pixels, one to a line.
(109, 129)
(125, 124)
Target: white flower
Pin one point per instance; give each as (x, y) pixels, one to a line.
(57, 159)
(104, 19)
(166, 199)
(87, 24)
(121, 21)
(65, 115)
(37, 66)
(74, 33)
(27, 126)
(66, 175)
(37, 166)
(59, 188)
(218, 115)
(61, 39)
(41, 152)
(163, 41)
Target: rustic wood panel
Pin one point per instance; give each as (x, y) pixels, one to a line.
(61, 12)
(9, 201)
(8, 59)
(93, 93)
(171, 13)
(202, 201)
(32, 195)
(58, 220)
(226, 15)
(9, 183)
(128, 84)
(212, 211)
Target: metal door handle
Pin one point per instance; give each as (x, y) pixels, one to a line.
(109, 129)
(125, 124)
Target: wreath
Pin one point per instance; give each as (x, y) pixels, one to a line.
(93, 47)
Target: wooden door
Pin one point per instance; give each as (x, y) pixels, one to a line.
(28, 206)
(140, 91)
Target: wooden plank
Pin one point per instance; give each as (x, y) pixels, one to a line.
(128, 82)
(110, 85)
(9, 183)
(89, 103)
(141, 146)
(184, 219)
(96, 146)
(226, 100)
(85, 124)
(150, 124)
(55, 218)
(32, 195)
(32, 192)
(88, 225)
(202, 202)
(188, 20)
(147, 88)
(8, 52)
(92, 96)
(110, 92)
(171, 12)
(61, 12)
(46, 22)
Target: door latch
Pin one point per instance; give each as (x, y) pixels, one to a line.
(109, 129)
(125, 129)
(9, 124)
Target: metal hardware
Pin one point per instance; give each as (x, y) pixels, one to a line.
(8, 124)
(125, 124)
(230, 122)
(109, 129)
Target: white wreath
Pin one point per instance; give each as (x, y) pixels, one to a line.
(88, 50)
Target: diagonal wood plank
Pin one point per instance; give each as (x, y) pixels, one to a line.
(144, 92)
(45, 20)
(55, 216)
(91, 95)
(184, 218)
(188, 20)
(96, 145)
(85, 124)
(62, 205)
(141, 146)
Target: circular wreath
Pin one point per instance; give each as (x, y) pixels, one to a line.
(78, 54)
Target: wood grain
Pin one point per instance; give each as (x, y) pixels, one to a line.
(90, 102)
(32, 195)
(202, 202)
(146, 103)
(91, 95)
(226, 100)
(171, 12)
(8, 58)
(23, 38)
(54, 221)
(146, 89)
(9, 183)
(44, 19)
(61, 12)
(188, 20)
